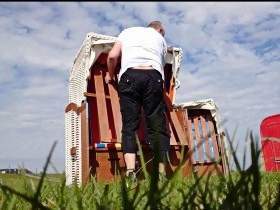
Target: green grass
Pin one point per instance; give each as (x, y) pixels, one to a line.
(241, 189)
(179, 192)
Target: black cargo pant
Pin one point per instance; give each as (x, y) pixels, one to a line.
(143, 88)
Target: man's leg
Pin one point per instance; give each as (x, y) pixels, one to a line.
(155, 112)
(130, 110)
(129, 159)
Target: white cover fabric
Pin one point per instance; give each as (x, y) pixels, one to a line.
(142, 46)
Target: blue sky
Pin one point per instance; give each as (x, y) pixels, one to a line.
(231, 54)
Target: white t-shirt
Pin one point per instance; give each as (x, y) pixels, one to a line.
(142, 46)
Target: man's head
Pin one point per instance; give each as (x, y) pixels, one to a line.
(157, 25)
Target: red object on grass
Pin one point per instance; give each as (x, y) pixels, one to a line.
(270, 138)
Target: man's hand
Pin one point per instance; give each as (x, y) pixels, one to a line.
(108, 78)
(112, 61)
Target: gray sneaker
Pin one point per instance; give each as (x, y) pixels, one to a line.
(162, 178)
(130, 180)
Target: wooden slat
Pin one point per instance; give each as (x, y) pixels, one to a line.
(116, 110)
(198, 139)
(104, 130)
(190, 143)
(213, 136)
(171, 88)
(87, 94)
(223, 154)
(84, 145)
(179, 128)
(185, 119)
(172, 137)
(205, 136)
(182, 115)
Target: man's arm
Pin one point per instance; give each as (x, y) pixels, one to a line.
(112, 61)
